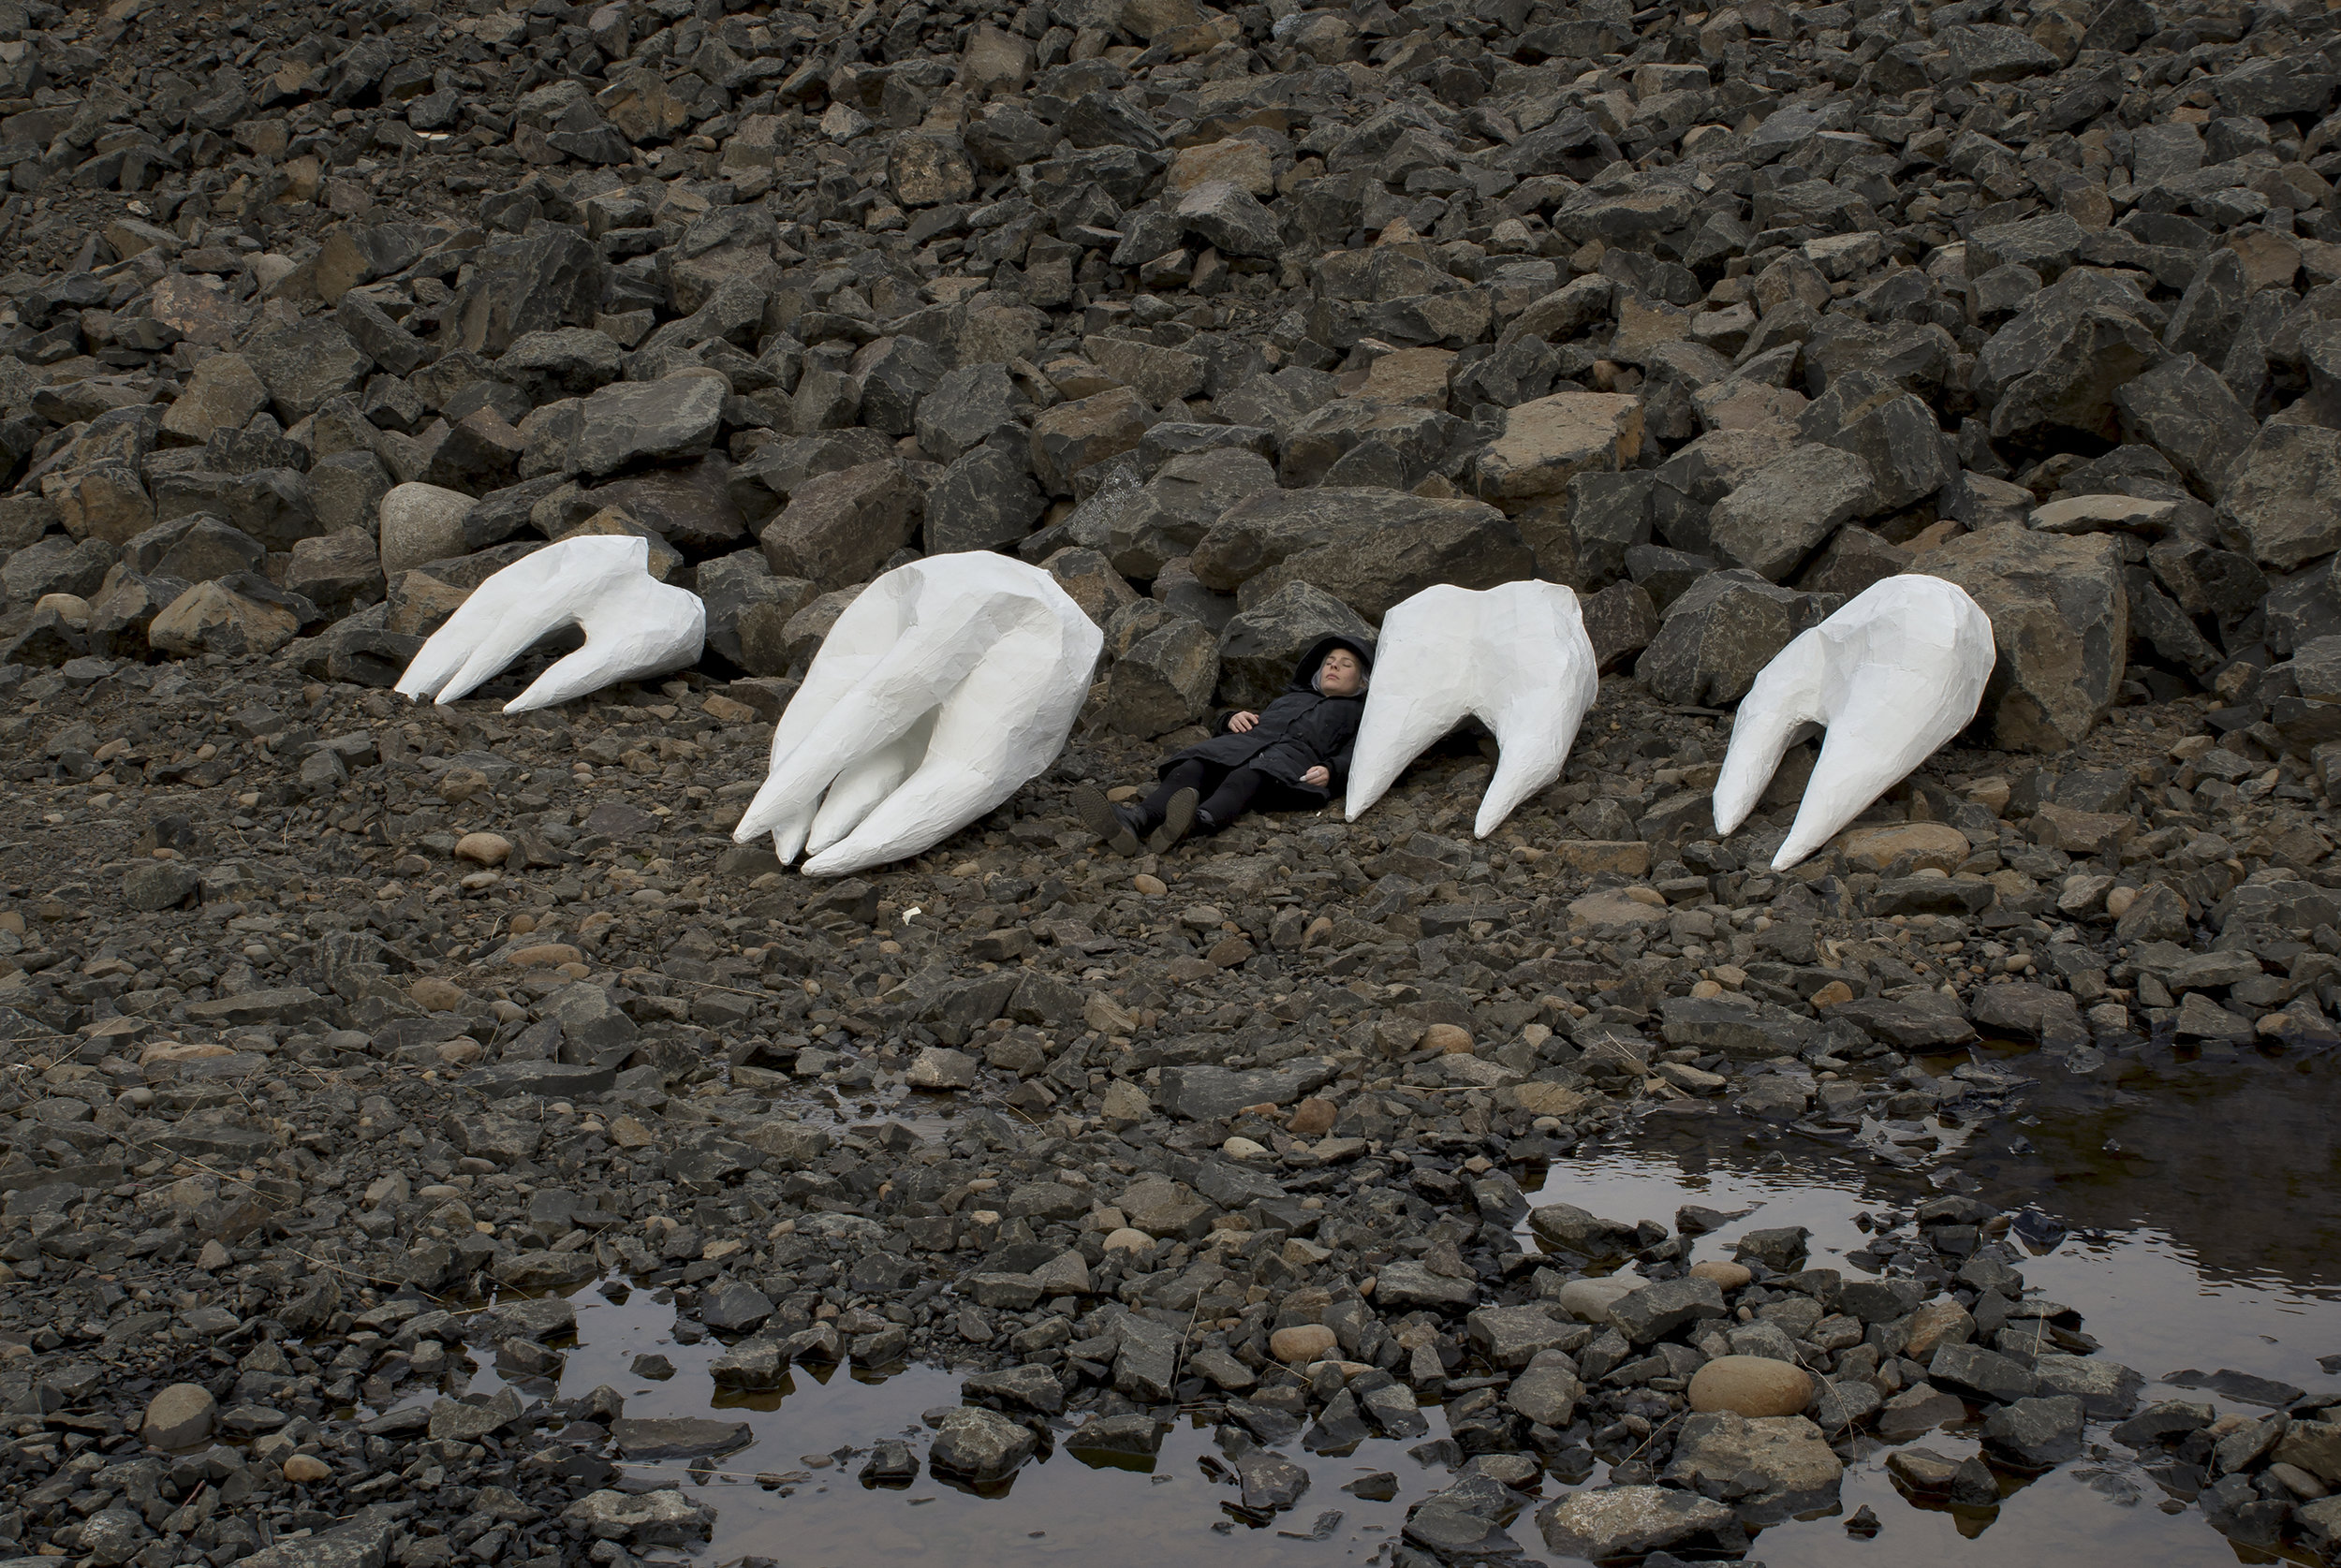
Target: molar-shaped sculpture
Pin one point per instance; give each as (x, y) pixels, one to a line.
(1515, 656)
(634, 624)
(1895, 673)
(939, 691)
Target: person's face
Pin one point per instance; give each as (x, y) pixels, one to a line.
(1340, 675)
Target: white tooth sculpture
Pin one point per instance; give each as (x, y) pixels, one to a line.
(1895, 672)
(941, 689)
(634, 624)
(1517, 657)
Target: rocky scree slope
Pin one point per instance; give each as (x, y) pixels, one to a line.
(330, 1015)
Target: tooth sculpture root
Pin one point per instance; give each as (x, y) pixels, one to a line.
(1893, 674)
(634, 624)
(939, 691)
(1516, 657)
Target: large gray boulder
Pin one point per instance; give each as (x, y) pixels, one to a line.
(2055, 367)
(1779, 1465)
(967, 407)
(272, 504)
(1164, 682)
(1717, 636)
(2060, 618)
(841, 527)
(636, 421)
(985, 500)
(57, 564)
(2278, 505)
(1603, 1524)
(1169, 516)
(980, 1445)
(748, 609)
(2185, 411)
(303, 365)
(1892, 433)
(1369, 548)
(1780, 514)
(1260, 645)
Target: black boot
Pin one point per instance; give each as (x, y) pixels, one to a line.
(1178, 815)
(1111, 823)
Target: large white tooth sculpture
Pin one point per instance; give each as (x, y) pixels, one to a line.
(941, 689)
(634, 624)
(1895, 673)
(1516, 657)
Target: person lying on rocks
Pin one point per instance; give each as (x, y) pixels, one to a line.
(1294, 755)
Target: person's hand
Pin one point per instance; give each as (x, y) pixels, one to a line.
(1320, 775)
(1243, 722)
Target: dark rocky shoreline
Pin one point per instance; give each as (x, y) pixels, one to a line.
(343, 1035)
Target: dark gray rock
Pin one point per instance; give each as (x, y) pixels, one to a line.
(2024, 1010)
(678, 1437)
(733, 1307)
(967, 407)
(1260, 645)
(1029, 1387)
(306, 365)
(272, 505)
(1892, 433)
(840, 528)
(631, 422)
(1271, 1482)
(1657, 1310)
(2035, 1434)
(1603, 1524)
(894, 375)
(1717, 636)
(2057, 365)
(1609, 514)
(1983, 1374)
(159, 885)
(1230, 219)
(2185, 411)
(1207, 1094)
(1369, 548)
(2275, 506)
(985, 500)
(1189, 493)
(749, 608)
(1780, 514)
(549, 279)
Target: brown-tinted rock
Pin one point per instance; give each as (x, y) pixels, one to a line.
(1073, 435)
(1367, 548)
(840, 527)
(2060, 619)
(103, 500)
(1752, 1386)
(218, 618)
(222, 394)
(1549, 442)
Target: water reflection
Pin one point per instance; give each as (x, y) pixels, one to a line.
(2200, 1207)
(2234, 1159)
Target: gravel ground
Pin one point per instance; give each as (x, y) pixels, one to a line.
(343, 1035)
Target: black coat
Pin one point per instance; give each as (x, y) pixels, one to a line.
(1298, 731)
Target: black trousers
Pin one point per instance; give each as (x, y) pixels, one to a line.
(1227, 793)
